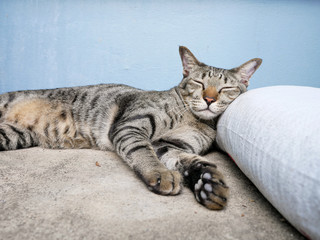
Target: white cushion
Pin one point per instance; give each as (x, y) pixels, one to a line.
(273, 134)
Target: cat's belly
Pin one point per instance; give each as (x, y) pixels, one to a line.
(55, 127)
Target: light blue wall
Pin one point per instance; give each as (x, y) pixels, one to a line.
(56, 43)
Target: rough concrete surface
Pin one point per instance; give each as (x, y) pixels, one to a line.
(63, 194)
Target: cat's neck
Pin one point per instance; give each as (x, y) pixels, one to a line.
(176, 90)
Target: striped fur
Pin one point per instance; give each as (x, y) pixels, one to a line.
(160, 135)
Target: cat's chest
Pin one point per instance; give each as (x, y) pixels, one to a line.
(190, 128)
(192, 133)
(188, 124)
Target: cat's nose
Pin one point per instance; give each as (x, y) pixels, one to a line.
(209, 100)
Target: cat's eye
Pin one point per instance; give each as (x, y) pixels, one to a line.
(230, 92)
(227, 89)
(198, 82)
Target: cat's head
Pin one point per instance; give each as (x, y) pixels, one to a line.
(207, 90)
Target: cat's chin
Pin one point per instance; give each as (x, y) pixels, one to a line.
(206, 114)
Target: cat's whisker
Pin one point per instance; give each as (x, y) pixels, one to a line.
(178, 108)
(181, 112)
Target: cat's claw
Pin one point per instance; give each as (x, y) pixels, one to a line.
(208, 185)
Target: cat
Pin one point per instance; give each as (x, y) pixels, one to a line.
(161, 135)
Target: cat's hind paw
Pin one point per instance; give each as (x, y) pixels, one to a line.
(207, 184)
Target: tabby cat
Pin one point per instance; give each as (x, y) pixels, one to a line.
(159, 134)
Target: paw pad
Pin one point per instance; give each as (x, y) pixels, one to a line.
(198, 185)
(203, 195)
(208, 185)
(207, 176)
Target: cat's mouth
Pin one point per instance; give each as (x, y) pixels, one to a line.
(206, 113)
(205, 109)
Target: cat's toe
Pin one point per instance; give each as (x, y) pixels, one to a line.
(164, 182)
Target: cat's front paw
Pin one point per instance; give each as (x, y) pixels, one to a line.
(207, 184)
(164, 181)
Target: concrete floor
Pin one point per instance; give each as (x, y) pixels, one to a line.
(62, 194)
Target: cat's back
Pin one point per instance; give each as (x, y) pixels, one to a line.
(75, 97)
(65, 117)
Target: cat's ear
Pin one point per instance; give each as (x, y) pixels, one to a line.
(246, 70)
(189, 61)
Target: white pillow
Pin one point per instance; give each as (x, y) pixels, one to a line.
(273, 134)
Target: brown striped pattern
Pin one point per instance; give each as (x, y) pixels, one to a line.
(160, 135)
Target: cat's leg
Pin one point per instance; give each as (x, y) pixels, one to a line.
(200, 175)
(15, 137)
(131, 141)
(141, 157)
